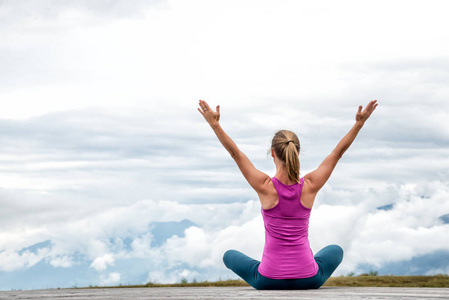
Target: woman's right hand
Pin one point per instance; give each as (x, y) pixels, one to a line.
(362, 116)
(211, 116)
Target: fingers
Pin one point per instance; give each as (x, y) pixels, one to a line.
(211, 116)
(207, 105)
(372, 105)
(201, 104)
(360, 109)
(204, 107)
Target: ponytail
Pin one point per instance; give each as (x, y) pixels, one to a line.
(292, 162)
(286, 147)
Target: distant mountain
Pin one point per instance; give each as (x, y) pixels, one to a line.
(34, 248)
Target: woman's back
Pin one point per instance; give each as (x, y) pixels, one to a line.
(287, 252)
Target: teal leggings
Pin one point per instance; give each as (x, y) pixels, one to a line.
(247, 268)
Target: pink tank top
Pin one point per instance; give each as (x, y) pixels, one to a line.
(287, 253)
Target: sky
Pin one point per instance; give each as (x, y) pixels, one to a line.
(109, 175)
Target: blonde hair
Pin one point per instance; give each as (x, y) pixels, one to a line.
(286, 146)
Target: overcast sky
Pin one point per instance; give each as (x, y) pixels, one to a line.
(99, 124)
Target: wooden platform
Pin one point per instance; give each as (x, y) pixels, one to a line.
(232, 293)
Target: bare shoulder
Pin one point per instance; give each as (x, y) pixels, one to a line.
(268, 195)
(308, 193)
(308, 184)
(317, 178)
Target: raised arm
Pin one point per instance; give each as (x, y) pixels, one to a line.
(257, 179)
(319, 177)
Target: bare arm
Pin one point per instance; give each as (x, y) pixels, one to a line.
(257, 179)
(319, 177)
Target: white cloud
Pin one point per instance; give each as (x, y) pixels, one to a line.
(201, 250)
(12, 260)
(62, 261)
(101, 263)
(368, 236)
(378, 237)
(111, 279)
(141, 246)
(198, 47)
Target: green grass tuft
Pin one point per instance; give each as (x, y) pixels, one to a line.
(364, 280)
(440, 281)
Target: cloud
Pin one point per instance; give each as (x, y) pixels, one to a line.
(11, 260)
(63, 261)
(80, 184)
(195, 48)
(369, 236)
(101, 263)
(112, 279)
(120, 239)
(204, 249)
(378, 237)
(51, 10)
(104, 155)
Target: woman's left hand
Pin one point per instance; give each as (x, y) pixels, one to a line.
(362, 116)
(212, 117)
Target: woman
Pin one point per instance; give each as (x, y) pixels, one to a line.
(286, 200)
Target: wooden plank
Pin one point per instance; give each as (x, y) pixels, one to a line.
(231, 293)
